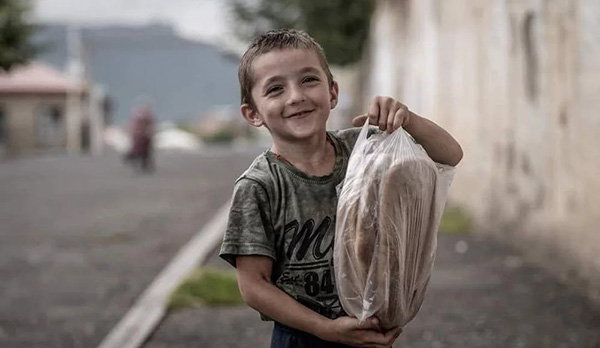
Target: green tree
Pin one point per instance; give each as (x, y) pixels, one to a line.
(340, 26)
(15, 32)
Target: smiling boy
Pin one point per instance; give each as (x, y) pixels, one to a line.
(281, 223)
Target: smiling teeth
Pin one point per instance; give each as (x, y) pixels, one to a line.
(300, 113)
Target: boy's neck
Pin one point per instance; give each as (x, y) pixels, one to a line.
(315, 156)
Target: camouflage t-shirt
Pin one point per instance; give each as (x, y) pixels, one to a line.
(289, 216)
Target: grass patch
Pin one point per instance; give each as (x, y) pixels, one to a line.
(455, 221)
(207, 287)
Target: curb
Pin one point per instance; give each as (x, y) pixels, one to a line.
(149, 309)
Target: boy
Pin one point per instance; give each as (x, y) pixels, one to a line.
(281, 223)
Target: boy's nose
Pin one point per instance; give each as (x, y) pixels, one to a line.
(296, 95)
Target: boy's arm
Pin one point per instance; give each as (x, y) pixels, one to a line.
(254, 277)
(439, 144)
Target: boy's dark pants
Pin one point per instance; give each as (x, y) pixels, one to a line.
(287, 337)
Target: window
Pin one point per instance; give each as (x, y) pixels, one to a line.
(50, 127)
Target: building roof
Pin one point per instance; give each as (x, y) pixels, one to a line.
(36, 78)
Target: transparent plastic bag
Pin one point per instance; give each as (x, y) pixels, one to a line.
(389, 209)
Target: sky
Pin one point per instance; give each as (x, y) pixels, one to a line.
(204, 20)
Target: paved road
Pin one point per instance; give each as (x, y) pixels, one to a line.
(486, 297)
(81, 238)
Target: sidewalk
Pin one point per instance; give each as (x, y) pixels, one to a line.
(484, 296)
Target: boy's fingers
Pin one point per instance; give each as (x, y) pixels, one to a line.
(375, 322)
(392, 334)
(384, 114)
(399, 117)
(359, 121)
(391, 120)
(374, 112)
(374, 339)
(370, 324)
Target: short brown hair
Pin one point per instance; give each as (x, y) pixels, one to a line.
(276, 40)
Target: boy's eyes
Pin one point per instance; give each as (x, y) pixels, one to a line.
(278, 88)
(273, 89)
(310, 79)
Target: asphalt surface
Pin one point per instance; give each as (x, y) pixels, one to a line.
(81, 238)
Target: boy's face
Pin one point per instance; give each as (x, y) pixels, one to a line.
(291, 94)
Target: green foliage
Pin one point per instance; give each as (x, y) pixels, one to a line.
(186, 127)
(455, 220)
(340, 26)
(15, 32)
(221, 136)
(208, 287)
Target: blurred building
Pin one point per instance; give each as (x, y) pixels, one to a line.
(517, 83)
(42, 110)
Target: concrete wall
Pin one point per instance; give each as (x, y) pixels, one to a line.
(517, 83)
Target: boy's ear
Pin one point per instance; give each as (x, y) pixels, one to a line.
(333, 94)
(250, 115)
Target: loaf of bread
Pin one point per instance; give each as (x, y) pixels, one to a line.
(386, 238)
(407, 231)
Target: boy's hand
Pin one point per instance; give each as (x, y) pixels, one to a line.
(348, 331)
(385, 112)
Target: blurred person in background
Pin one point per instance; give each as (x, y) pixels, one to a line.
(141, 130)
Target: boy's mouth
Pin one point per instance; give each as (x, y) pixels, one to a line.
(300, 113)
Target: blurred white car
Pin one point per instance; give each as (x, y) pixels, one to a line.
(166, 137)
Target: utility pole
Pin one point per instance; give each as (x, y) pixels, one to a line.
(76, 72)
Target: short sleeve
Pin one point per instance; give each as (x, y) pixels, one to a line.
(249, 228)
